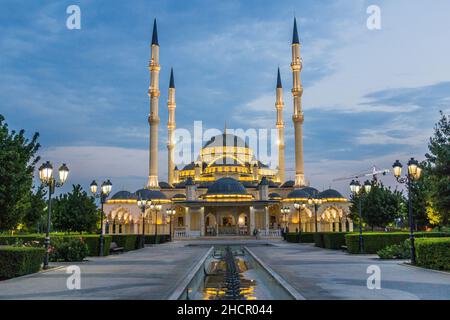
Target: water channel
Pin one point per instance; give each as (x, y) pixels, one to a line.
(231, 272)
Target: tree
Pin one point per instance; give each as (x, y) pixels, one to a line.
(17, 163)
(75, 212)
(380, 207)
(35, 215)
(439, 161)
(420, 198)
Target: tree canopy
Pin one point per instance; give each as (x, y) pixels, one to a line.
(17, 162)
(75, 212)
(439, 170)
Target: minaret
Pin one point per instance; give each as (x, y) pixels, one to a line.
(280, 127)
(153, 118)
(297, 118)
(171, 105)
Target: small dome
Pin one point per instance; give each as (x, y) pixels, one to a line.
(288, 184)
(330, 194)
(274, 196)
(179, 196)
(147, 194)
(311, 191)
(189, 166)
(123, 195)
(164, 185)
(298, 194)
(226, 186)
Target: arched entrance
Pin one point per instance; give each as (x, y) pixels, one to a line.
(210, 225)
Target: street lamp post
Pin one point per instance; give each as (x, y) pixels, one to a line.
(285, 211)
(299, 206)
(317, 202)
(170, 212)
(156, 207)
(414, 173)
(355, 187)
(143, 205)
(47, 179)
(105, 190)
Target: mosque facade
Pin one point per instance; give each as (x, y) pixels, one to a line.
(226, 191)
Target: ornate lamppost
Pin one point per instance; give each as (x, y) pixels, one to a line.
(143, 204)
(47, 179)
(171, 213)
(355, 187)
(299, 206)
(285, 211)
(105, 190)
(317, 202)
(156, 208)
(414, 173)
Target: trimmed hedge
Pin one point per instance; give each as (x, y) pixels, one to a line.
(318, 239)
(19, 261)
(433, 253)
(292, 237)
(127, 241)
(304, 237)
(161, 238)
(334, 240)
(92, 241)
(376, 241)
(307, 237)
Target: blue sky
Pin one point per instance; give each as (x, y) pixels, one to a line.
(370, 97)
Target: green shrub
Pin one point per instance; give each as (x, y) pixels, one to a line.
(433, 253)
(18, 261)
(375, 241)
(150, 239)
(127, 241)
(91, 240)
(307, 237)
(334, 240)
(396, 251)
(68, 249)
(319, 240)
(292, 237)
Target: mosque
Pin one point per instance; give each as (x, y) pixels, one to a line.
(226, 191)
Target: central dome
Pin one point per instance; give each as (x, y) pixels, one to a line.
(225, 139)
(226, 186)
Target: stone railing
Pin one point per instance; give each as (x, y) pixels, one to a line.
(270, 233)
(186, 234)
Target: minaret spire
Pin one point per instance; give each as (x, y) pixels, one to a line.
(279, 105)
(171, 105)
(155, 34)
(279, 79)
(153, 118)
(295, 33)
(297, 118)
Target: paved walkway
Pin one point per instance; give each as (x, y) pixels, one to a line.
(150, 273)
(332, 274)
(154, 272)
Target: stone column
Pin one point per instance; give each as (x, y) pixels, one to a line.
(252, 220)
(188, 220)
(266, 218)
(202, 221)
